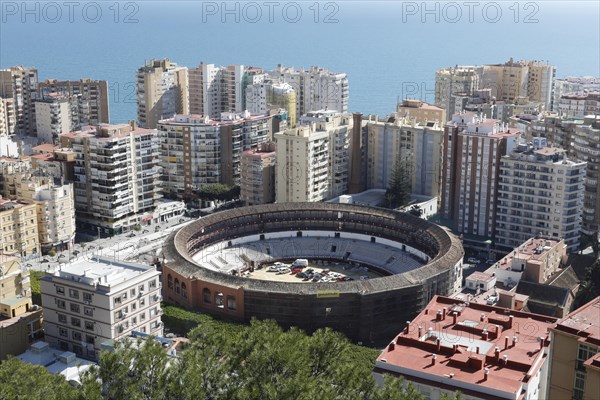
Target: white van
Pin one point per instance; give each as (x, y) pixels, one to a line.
(301, 262)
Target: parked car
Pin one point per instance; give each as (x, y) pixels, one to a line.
(473, 260)
(273, 268)
(283, 270)
(45, 260)
(296, 270)
(131, 235)
(491, 261)
(301, 262)
(301, 275)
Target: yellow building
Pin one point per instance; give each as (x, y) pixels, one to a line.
(422, 113)
(19, 227)
(20, 321)
(575, 355)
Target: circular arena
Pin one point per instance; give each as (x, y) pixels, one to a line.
(217, 265)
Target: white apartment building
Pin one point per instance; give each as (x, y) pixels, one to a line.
(316, 88)
(55, 209)
(572, 84)
(90, 301)
(463, 80)
(473, 146)
(540, 192)
(8, 118)
(117, 177)
(266, 95)
(162, 91)
(20, 85)
(214, 90)
(579, 105)
(313, 160)
(198, 151)
(53, 117)
(403, 139)
(585, 146)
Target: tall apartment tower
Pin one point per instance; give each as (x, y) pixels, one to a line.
(215, 90)
(455, 80)
(91, 301)
(540, 192)
(569, 85)
(8, 117)
(316, 88)
(54, 115)
(586, 147)
(198, 151)
(261, 97)
(91, 92)
(520, 79)
(117, 177)
(472, 149)
(401, 139)
(19, 227)
(21, 85)
(422, 113)
(257, 184)
(162, 91)
(313, 160)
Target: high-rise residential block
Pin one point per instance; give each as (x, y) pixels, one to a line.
(572, 84)
(261, 97)
(198, 151)
(540, 192)
(54, 115)
(8, 118)
(401, 139)
(91, 301)
(19, 227)
(257, 170)
(579, 105)
(214, 90)
(316, 88)
(463, 80)
(575, 355)
(117, 177)
(472, 149)
(162, 91)
(21, 84)
(313, 160)
(585, 146)
(92, 94)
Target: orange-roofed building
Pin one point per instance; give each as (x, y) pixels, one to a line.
(575, 355)
(485, 352)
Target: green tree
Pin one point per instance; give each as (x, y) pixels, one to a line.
(590, 287)
(36, 293)
(19, 380)
(416, 210)
(399, 186)
(219, 191)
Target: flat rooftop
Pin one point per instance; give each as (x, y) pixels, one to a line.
(468, 341)
(583, 322)
(56, 361)
(103, 271)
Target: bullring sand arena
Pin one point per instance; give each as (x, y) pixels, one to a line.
(370, 269)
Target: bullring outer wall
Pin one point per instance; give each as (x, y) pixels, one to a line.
(371, 311)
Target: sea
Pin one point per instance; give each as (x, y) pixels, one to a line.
(389, 49)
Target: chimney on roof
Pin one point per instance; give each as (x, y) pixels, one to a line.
(482, 317)
(497, 354)
(541, 339)
(510, 321)
(391, 346)
(438, 316)
(484, 334)
(420, 331)
(407, 327)
(444, 313)
(514, 341)
(454, 318)
(505, 342)
(433, 357)
(486, 372)
(505, 360)
(477, 350)
(438, 344)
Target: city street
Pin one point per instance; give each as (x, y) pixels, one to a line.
(123, 247)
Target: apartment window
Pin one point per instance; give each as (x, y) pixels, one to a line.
(87, 297)
(64, 346)
(77, 349)
(75, 308)
(142, 302)
(152, 284)
(76, 335)
(143, 316)
(141, 288)
(61, 304)
(170, 281)
(74, 293)
(75, 322)
(117, 300)
(88, 311)
(60, 290)
(183, 290)
(134, 320)
(89, 325)
(231, 303)
(206, 295)
(132, 292)
(89, 339)
(62, 318)
(63, 332)
(133, 307)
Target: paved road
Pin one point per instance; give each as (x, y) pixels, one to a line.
(120, 246)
